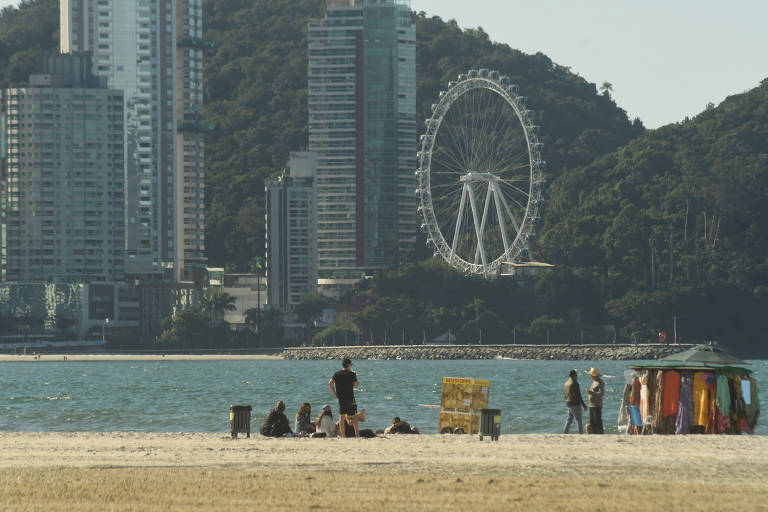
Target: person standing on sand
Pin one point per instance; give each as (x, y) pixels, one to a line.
(574, 402)
(595, 393)
(342, 386)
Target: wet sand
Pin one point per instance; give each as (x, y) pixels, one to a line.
(190, 471)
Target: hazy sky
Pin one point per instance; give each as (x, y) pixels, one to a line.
(666, 59)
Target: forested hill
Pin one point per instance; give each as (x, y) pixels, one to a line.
(256, 94)
(671, 230)
(674, 223)
(643, 226)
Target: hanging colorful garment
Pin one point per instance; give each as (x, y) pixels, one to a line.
(685, 408)
(712, 408)
(745, 394)
(645, 405)
(623, 418)
(723, 402)
(700, 400)
(658, 398)
(753, 408)
(738, 409)
(671, 393)
(635, 399)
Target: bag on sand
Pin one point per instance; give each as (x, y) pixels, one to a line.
(364, 432)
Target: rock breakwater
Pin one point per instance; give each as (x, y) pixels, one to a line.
(553, 352)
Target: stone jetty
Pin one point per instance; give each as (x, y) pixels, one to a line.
(553, 352)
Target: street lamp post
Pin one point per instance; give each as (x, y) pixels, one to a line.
(257, 267)
(103, 330)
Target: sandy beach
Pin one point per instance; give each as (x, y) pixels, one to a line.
(9, 358)
(192, 471)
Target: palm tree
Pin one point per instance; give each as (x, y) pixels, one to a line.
(216, 304)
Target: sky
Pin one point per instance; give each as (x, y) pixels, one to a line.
(666, 59)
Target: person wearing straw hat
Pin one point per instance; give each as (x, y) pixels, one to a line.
(595, 393)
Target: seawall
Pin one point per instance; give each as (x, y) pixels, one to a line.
(554, 352)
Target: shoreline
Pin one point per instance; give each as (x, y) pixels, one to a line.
(59, 357)
(132, 471)
(642, 352)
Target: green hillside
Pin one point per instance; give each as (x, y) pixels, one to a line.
(674, 223)
(670, 230)
(256, 80)
(643, 226)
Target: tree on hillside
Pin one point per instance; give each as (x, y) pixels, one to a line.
(25, 30)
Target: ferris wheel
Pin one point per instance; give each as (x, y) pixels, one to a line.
(480, 174)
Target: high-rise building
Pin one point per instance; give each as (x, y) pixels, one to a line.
(150, 49)
(292, 233)
(362, 111)
(62, 177)
(190, 192)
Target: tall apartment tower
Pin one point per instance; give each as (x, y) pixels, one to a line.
(190, 192)
(62, 186)
(362, 111)
(150, 49)
(292, 233)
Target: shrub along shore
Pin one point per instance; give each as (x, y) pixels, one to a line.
(554, 352)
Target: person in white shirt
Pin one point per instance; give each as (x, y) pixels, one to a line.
(325, 424)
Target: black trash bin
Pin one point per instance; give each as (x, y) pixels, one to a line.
(490, 423)
(240, 420)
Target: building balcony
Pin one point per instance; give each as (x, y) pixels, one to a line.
(195, 42)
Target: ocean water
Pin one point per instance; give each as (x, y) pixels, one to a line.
(194, 396)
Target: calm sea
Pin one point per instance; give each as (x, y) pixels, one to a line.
(194, 396)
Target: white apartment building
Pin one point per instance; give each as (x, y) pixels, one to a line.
(190, 193)
(62, 178)
(135, 45)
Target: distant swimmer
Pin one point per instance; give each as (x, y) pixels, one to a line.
(342, 386)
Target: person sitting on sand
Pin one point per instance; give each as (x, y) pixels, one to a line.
(303, 426)
(276, 424)
(399, 426)
(325, 426)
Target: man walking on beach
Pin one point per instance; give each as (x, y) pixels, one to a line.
(595, 393)
(574, 402)
(342, 386)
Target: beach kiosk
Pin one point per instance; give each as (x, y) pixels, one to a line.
(460, 404)
(703, 390)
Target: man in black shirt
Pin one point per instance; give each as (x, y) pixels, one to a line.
(342, 386)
